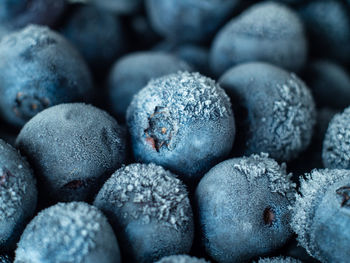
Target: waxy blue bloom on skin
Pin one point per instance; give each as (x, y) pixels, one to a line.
(149, 210)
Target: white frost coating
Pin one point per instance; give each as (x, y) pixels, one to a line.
(182, 259)
(279, 260)
(157, 192)
(312, 189)
(256, 166)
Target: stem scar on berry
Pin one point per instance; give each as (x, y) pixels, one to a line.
(269, 216)
(6, 174)
(344, 192)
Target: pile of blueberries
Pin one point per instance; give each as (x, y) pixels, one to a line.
(174, 131)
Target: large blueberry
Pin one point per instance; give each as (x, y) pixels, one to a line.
(132, 72)
(73, 149)
(268, 31)
(274, 109)
(18, 195)
(243, 208)
(188, 20)
(38, 69)
(149, 210)
(321, 215)
(183, 122)
(68, 232)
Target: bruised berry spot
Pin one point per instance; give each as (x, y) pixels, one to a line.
(344, 193)
(5, 175)
(160, 130)
(269, 216)
(74, 185)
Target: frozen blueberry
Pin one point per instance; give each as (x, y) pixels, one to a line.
(18, 195)
(18, 13)
(274, 109)
(243, 208)
(132, 72)
(181, 259)
(97, 34)
(321, 215)
(336, 145)
(38, 69)
(73, 148)
(188, 20)
(68, 232)
(268, 31)
(149, 210)
(123, 7)
(279, 260)
(183, 122)
(328, 25)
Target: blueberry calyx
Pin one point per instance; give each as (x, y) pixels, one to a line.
(269, 216)
(344, 192)
(28, 106)
(5, 176)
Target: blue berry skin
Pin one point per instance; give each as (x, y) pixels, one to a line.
(18, 195)
(97, 34)
(132, 72)
(328, 26)
(121, 7)
(336, 148)
(329, 83)
(188, 20)
(181, 259)
(321, 215)
(38, 69)
(274, 109)
(268, 32)
(183, 122)
(243, 208)
(68, 232)
(149, 210)
(73, 149)
(279, 260)
(19, 13)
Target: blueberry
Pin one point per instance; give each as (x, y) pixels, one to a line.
(132, 72)
(68, 232)
(330, 84)
(243, 208)
(268, 31)
(183, 122)
(123, 7)
(19, 13)
(73, 148)
(99, 47)
(38, 69)
(181, 259)
(279, 260)
(188, 20)
(321, 215)
(274, 109)
(328, 26)
(149, 210)
(18, 195)
(336, 148)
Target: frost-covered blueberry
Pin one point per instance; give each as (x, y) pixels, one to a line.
(149, 209)
(328, 26)
(38, 69)
(122, 7)
(268, 31)
(188, 20)
(18, 195)
(243, 208)
(279, 260)
(181, 259)
(19, 13)
(321, 215)
(73, 149)
(336, 144)
(274, 109)
(183, 122)
(329, 83)
(97, 34)
(68, 232)
(132, 72)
